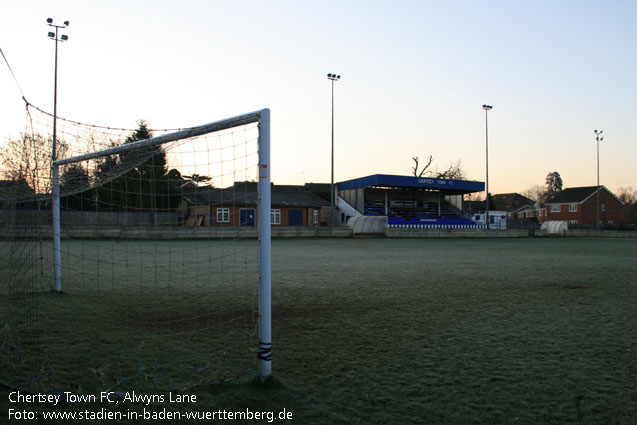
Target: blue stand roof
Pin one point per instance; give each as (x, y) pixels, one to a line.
(387, 180)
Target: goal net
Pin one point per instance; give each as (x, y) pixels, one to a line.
(143, 264)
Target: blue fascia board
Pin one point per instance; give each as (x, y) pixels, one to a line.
(388, 180)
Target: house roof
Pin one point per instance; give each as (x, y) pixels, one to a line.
(577, 195)
(511, 202)
(297, 199)
(247, 195)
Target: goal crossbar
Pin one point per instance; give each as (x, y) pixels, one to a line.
(220, 125)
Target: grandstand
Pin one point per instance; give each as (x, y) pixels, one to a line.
(411, 201)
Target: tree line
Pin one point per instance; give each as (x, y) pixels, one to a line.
(136, 180)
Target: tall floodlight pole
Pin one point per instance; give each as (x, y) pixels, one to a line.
(55, 36)
(599, 138)
(332, 78)
(55, 169)
(487, 108)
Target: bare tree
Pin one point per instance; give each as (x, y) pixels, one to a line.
(28, 158)
(453, 172)
(628, 195)
(414, 169)
(536, 193)
(474, 197)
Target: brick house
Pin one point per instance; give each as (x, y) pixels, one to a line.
(237, 206)
(578, 205)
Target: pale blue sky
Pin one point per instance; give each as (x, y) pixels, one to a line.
(415, 74)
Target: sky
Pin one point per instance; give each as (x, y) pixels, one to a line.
(415, 75)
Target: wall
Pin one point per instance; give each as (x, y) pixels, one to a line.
(210, 215)
(181, 232)
(159, 233)
(614, 210)
(456, 233)
(601, 233)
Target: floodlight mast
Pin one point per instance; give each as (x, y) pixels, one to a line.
(55, 168)
(599, 138)
(332, 78)
(55, 36)
(487, 108)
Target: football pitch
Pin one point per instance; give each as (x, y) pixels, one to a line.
(402, 331)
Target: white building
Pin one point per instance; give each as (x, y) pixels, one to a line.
(497, 219)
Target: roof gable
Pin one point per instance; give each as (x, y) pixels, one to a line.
(574, 195)
(511, 202)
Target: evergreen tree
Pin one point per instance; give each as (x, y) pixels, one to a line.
(75, 189)
(146, 185)
(491, 203)
(553, 184)
(108, 193)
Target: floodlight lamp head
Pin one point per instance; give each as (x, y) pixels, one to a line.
(51, 35)
(487, 107)
(65, 37)
(49, 20)
(66, 23)
(338, 77)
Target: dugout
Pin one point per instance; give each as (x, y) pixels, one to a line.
(410, 200)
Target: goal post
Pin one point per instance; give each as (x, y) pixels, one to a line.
(265, 254)
(263, 167)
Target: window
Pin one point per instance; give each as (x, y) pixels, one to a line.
(275, 216)
(555, 208)
(315, 217)
(572, 222)
(223, 215)
(603, 207)
(572, 208)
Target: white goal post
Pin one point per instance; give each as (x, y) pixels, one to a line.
(262, 118)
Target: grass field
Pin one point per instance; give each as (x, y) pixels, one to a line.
(398, 331)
